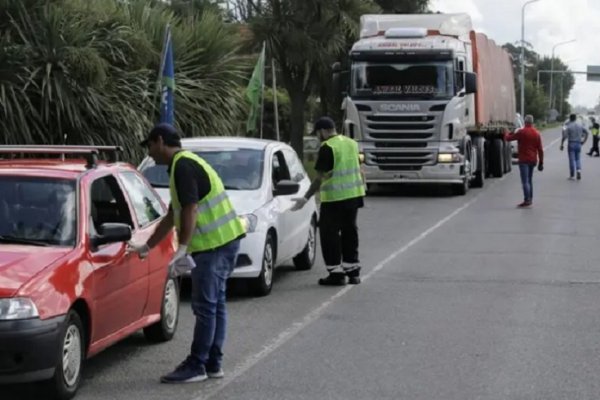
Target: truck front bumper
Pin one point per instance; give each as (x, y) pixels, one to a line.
(439, 173)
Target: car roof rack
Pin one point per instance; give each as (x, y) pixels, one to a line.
(89, 152)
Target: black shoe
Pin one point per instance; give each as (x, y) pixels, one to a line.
(578, 175)
(333, 279)
(354, 276)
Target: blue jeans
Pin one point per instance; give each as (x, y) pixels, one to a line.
(574, 157)
(526, 180)
(209, 285)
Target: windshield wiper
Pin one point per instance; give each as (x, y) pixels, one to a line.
(19, 240)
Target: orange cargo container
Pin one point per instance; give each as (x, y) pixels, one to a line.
(495, 98)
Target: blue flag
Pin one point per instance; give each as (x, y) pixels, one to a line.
(167, 105)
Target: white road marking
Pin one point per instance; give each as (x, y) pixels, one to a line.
(298, 326)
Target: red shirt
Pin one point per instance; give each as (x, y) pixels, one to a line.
(530, 144)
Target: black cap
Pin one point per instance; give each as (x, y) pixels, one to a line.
(167, 132)
(323, 123)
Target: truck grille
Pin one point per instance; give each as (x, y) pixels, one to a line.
(400, 141)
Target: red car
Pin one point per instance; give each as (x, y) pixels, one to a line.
(68, 286)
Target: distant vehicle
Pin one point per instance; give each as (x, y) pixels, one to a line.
(68, 287)
(429, 100)
(261, 177)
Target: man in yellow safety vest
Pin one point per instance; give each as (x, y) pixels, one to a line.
(339, 180)
(209, 233)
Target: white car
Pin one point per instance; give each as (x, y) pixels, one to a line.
(261, 177)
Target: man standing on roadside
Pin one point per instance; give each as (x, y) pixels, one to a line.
(341, 186)
(576, 135)
(531, 153)
(210, 231)
(595, 128)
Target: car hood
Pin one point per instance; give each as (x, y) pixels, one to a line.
(244, 201)
(18, 264)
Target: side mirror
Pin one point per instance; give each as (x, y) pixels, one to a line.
(286, 188)
(470, 82)
(112, 233)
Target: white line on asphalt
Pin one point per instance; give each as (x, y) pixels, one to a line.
(298, 326)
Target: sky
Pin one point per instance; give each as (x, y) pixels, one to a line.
(547, 23)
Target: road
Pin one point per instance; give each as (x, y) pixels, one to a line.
(463, 298)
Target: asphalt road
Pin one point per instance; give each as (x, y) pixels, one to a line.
(463, 298)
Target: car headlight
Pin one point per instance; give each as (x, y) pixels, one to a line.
(250, 221)
(449, 157)
(17, 308)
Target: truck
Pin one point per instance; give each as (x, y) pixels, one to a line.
(428, 100)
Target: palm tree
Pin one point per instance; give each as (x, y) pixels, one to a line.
(78, 71)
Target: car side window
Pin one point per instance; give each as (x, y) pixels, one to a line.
(279, 168)
(146, 205)
(295, 166)
(107, 204)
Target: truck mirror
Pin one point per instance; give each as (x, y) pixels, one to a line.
(470, 82)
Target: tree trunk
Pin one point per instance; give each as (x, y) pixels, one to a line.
(298, 100)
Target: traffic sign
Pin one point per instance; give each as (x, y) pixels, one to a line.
(593, 73)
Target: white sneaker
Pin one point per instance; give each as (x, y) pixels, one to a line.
(216, 374)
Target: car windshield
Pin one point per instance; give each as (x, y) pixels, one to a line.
(37, 211)
(410, 80)
(239, 169)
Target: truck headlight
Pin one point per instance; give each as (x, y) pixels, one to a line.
(449, 157)
(250, 221)
(17, 308)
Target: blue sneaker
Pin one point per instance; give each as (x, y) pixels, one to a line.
(187, 372)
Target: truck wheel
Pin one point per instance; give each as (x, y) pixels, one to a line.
(479, 152)
(497, 158)
(461, 189)
(507, 157)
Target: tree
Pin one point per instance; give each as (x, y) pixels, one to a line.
(403, 6)
(303, 35)
(87, 71)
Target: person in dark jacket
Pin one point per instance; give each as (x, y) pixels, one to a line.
(595, 129)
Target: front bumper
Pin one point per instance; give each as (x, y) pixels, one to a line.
(250, 256)
(438, 173)
(29, 349)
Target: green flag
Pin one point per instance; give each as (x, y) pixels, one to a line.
(254, 92)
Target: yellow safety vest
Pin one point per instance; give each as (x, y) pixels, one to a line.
(216, 222)
(345, 181)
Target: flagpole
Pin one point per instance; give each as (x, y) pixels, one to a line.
(262, 92)
(275, 98)
(163, 60)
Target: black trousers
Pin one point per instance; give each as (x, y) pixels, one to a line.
(339, 235)
(594, 148)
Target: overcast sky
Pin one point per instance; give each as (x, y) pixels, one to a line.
(547, 22)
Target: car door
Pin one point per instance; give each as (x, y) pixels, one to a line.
(299, 220)
(120, 279)
(148, 211)
(282, 205)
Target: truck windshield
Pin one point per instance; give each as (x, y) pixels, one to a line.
(410, 80)
(37, 211)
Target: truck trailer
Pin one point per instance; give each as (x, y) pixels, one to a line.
(429, 100)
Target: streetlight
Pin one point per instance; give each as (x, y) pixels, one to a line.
(523, 56)
(552, 67)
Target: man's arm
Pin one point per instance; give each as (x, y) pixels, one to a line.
(162, 230)
(586, 133)
(540, 150)
(188, 222)
(316, 184)
(509, 137)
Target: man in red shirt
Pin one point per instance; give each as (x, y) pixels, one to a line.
(530, 150)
